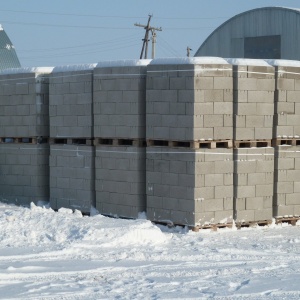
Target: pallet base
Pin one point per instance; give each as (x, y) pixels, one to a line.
(240, 225)
(119, 142)
(289, 220)
(71, 141)
(24, 140)
(252, 144)
(286, 141)
(205, 144)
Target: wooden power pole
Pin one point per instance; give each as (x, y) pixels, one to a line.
(146, 38)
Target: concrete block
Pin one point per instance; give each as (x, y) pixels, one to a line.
(221, 108)
(213, 120)
(213, 205)
(200, 83)
(293, 199)
(249, 109)
(213, 95)
(224, 191)
(205, 192)
(223, 83)
(245, 216)
(223, 216)
(245, 191)
(260, 96)
(287, 108)
(204, 108)
(284, 211)
(264, 190)
(240, 204)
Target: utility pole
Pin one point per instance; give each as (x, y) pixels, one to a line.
(146, 38)
(153, 43)
(188, 51)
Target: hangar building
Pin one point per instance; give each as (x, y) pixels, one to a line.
(268, 32)
(8, 55)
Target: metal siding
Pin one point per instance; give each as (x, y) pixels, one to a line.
(8, 56)
(258, 22)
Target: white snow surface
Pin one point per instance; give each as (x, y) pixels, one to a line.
(123, 63)
(247, 62)
(72, 68)
(36, 70)
(283, 62)
(63, 255)
(198, 60)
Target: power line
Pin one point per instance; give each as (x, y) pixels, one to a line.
(102, 27)
(103, 16)
(69, 26)
(166, 45)
(127, 38)
(79, 53)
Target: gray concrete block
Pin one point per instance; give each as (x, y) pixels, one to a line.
(223, 83)
(245, 191)
(245, 216)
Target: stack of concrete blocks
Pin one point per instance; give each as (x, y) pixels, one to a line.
(189, 100)
(119, 116)
(72, 172)
(24, 106)
(72, 177)
(24, 173)
(254, 86)
(24, 167)
(287, 103)
(287, 132)
(287, 181)
(189, 187)
(253, 181)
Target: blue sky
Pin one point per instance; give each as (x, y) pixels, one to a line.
(64, 32)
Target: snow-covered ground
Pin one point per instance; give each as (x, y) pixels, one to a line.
(49, 255)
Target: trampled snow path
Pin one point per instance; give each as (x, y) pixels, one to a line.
(48, 255)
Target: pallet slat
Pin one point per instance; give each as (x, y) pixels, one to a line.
(252, 143)
(119, 142)
(286, 141)
(24, 140)
(71, 141)
(205, 144)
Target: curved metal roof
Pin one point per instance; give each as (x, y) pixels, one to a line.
(8, 55)
(264, 11)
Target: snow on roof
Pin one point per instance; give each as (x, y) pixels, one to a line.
(247, 62)
(124, 63)
(283, 62)
(39, 70)
(1, 28)
(70, 68)
(199, 60)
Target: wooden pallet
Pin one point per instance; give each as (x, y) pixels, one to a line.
(24, 140)
(213, 227)
(197, 228)
(212, 144)
(240, 225)
(252, 143)
(71, 141)
(289, 220)
(287, 141)
(119, 142)
(205, 144)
